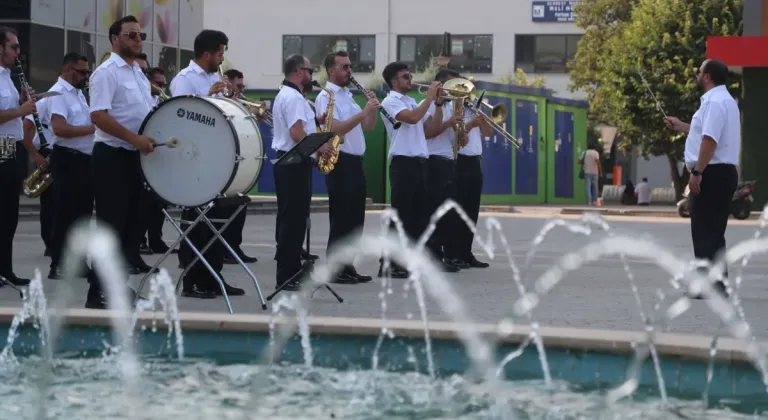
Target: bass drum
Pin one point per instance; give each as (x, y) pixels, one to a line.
(220, 150)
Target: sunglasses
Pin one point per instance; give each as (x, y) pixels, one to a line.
(240, 85)
(82, 72)
(345, 66)
(311, 71)
(407, 76)
(134, 35)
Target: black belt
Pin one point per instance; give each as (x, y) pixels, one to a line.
(443, 158)
(351, 156)
(69, 150)
(416, 158)
(476, 157)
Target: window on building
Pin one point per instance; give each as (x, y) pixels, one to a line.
(545, 53)
(361, 48)
(468, 53)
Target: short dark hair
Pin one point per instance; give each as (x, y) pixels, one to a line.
(645, 179)
(330, 59)
(142, 56)
(717, 71)
(292, 63)
(444, 74)
(155, 70)
(117, 26)
(391, 70)
(4, 31)
(73, 58)
(209, 40)
(233, 74)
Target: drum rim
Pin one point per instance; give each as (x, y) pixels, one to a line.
(231, 128)
(261, 138)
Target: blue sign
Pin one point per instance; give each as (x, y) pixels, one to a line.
(554, 10)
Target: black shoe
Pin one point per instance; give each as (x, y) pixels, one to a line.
(231, 290)
(138, 266)
(15, 280)
(457, 263)
(360, 278)
(719, 287)
(97, 299)
(307, 256)
(474, 263)
(198, 292)
(394, 273)
(158, 247)
(47, 252)
(344, 278)
(54, 274)
(144, 249)
(292, 286)
(447, 267)
(229, 259)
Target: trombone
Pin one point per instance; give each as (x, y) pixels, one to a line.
(257, 108)
(498, 113)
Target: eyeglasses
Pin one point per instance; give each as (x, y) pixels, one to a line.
(311, 71)
(240, 85)
(345, 66)
(134, 35)
(82, 72)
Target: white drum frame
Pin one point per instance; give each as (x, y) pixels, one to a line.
(230, 188)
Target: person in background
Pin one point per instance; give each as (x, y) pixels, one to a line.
(643, 193)
(143, 63)
(628, 196)
(590, 160)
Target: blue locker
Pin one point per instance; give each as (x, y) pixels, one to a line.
(497, 156)
(563, 154)
(527, 157)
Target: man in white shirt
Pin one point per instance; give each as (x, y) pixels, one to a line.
(468, 182)
(12, 110)
(590, 165)
(292, 120)
(234, 232)
(408, 153)
(711, 154)
(73, 131)
(38, 153)
(643, 193)
(120, 100)
(346, 183)
(201, 78)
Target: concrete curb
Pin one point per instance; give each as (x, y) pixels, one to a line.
(632, 212)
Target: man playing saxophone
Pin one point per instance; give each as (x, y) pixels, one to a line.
(73, 134)
(39, 155)
(346, 182)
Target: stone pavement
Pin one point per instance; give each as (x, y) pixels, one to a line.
(596, 296)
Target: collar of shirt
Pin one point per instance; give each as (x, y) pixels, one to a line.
(336, 88)
(291, 85)
(5, 71)
(196, 67)
(65, 84)
(714, 91)
(120, 61)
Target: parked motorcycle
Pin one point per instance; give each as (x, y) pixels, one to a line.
(741, 203)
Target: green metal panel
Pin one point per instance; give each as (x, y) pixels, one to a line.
(579, 145)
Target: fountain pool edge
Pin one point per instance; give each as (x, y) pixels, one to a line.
(588, 357)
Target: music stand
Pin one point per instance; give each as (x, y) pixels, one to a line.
(301, 153)
(241, 200)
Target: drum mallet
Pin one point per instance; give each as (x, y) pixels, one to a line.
(170, 143)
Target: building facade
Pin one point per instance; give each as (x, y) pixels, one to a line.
(48, 29)
(489, 38)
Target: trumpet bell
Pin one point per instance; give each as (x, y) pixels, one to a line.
(498, 113)
(459, 87)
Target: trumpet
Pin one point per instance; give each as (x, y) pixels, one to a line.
(498, 113)
(160, 92)
(257, 108)
(225, 92)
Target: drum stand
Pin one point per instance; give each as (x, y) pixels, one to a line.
(242, 202)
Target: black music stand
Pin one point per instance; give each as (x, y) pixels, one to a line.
(301, 153)
(241, 201)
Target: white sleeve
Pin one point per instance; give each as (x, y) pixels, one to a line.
(103, 85)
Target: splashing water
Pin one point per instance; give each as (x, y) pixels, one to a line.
(34, 306)
(162, 293)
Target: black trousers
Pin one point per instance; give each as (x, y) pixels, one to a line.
(234, 232)
(10, 190)
(293, 184)
(152, 218)
(72, 195)
(200, 235)
(47, 208)
(346, 199)
(469, 187)
(710, 209)
(408, 193)
(441, 185)
(117, 188)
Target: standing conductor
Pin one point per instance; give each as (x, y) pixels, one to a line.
(711, 154)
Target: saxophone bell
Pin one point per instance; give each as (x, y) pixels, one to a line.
(326, 162)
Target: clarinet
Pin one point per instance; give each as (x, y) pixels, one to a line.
(384, 113)
(25, 87)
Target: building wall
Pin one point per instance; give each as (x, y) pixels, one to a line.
(256, 30)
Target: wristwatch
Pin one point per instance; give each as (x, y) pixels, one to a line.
(695, 172)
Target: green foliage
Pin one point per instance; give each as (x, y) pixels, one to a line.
(428, 73)
(665, 41)
(375, 81)
(519, 78)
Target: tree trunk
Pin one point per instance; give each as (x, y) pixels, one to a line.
(679, 180)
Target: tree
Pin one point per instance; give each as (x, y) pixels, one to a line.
(519, 78)
(663, 41)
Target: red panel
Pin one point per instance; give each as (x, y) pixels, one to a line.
(740, 51)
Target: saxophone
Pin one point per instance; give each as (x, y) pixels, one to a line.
(40, 180)
(458, 128)
(326, 163)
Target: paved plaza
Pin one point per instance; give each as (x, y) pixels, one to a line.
(596, 296)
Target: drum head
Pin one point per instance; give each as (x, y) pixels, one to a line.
(202, 166)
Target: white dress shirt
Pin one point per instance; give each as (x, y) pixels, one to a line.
(9, 99)
(289, 107)
(72, 106)
(124, 92)
(718, 117)
(474, 145)
(442, 144)
(44, 116)
(344, 108)
(193, 80)
(409, 139)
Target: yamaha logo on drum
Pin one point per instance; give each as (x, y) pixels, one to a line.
(196, 117)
